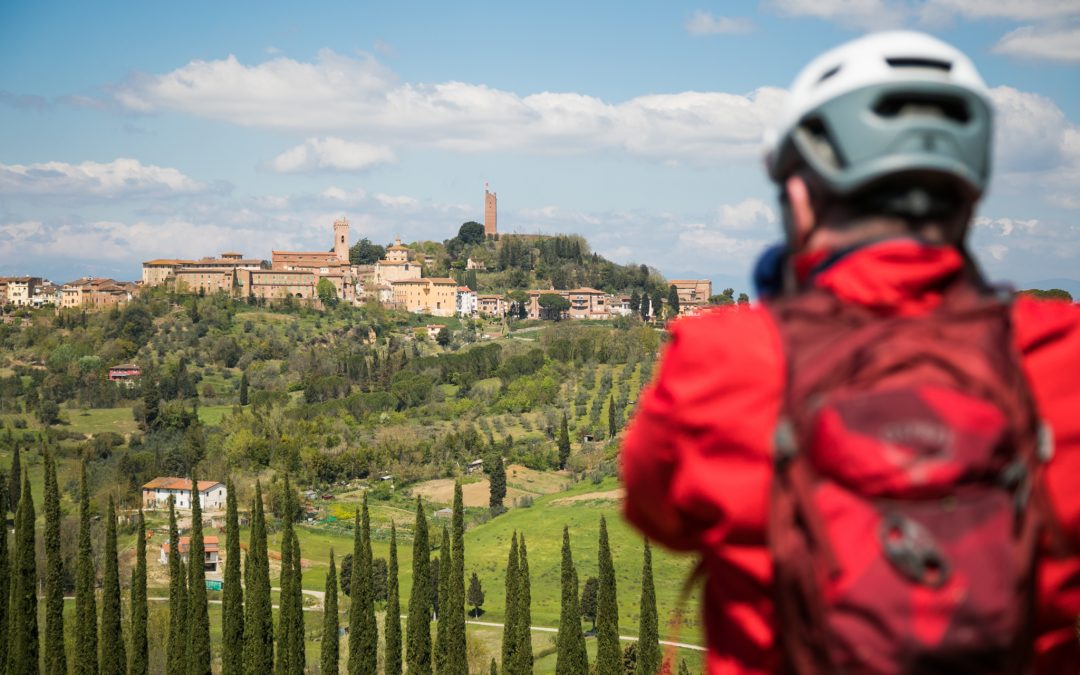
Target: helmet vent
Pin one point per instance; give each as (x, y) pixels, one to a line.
(918, 62)
(905, 105)
(816, 138)
(829, 73)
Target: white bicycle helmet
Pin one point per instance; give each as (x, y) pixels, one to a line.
(882, 108)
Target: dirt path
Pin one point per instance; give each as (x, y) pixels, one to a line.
(609, 495)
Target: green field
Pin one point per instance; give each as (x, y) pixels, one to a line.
(96, 420)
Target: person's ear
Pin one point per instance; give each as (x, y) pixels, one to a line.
(802, 211)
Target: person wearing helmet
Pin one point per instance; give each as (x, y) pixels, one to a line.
(875, 464)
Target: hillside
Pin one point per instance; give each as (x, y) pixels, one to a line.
(338, 399)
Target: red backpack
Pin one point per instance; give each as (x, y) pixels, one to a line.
(907, 501)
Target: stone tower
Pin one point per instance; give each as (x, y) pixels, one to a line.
(341, 239)
(490, 213)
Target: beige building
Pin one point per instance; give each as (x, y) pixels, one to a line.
(164, 270)
(396, 266)
(490, 305)
(20, 290)
(90, 293)
(206, 280)
(435, 296)
(277, 284)
(692, 292)
(588, 303)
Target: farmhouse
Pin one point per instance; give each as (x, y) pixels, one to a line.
(210, 560)
(156, 493)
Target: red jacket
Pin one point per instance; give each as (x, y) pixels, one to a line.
(696, 459)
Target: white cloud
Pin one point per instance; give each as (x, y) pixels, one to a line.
(1016, 10)
(121, 177)
(998, 251)
(332, 153)
(749, 214)
(1004, 227)
(340, 94)
(863, 14)
(397, 201)
(1041, 42)
(336, 194)
(704, 23)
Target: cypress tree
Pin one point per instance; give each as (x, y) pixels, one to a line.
(15, 489)
(183, 623)
(564, 443)
(86, 651)
(297, 633)
(363, 631)
(285, 640)
(232, 601)
(55, 658)
(243, 388)
(608, 653)
(258, 613)
(177, 609)
(523, 658)
(112, 660)
(418, 647)
(454, 609)
(513, 599)
(494, 668)
(5, 576)
(392, 620)
(497, 493)
(328, 659)
(442, 636)
(140, 648)
(648, 653)
(571, 658)
(24, 647)
(612, 417)
(198, 637)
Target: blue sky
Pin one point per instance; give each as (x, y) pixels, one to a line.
(145, 130)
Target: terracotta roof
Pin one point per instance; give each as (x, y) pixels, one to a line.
(384, 263)
(441, 280)
(174, 483)
(166, 261)
(254, 272)
(124, 366)
(689, 281)
(209, 544)
(587, 290)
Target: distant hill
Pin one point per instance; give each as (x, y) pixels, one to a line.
(1070, 285)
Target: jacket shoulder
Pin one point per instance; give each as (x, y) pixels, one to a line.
(1039, 323)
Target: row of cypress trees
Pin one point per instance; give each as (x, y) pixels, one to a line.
(21, 652)
(571, 658)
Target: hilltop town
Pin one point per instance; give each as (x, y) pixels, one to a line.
(427, 278)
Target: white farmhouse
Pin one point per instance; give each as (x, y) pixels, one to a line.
(156, 493)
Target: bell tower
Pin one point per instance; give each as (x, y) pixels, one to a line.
(491, 213)
(341, 239)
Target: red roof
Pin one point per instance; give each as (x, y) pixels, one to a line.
(174, 483)
(209, 544)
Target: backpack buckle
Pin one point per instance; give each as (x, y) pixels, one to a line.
(1045, 447)
(911, 549)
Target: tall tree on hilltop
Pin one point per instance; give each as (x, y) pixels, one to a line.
(564, 443)
(635, 302)
(113, 660)
(328, 658)
(673, 301)
(442, 644)
(513, 594)
(140, 646)
(24, 649)
(5, 577)
(497, 493)
(15, 488)
(644, 306)
(198, 637)
(418, 646)
(363, 598)
(243, 388)
(571, 658)
(608, 652)
(174, 660)
(523, 658)
(232, 600)
(392, 619)
(657, 304)
(648, 653)
(258, 614)
(457, 661)
(86, 651)
(55, 657)
(285, 638)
